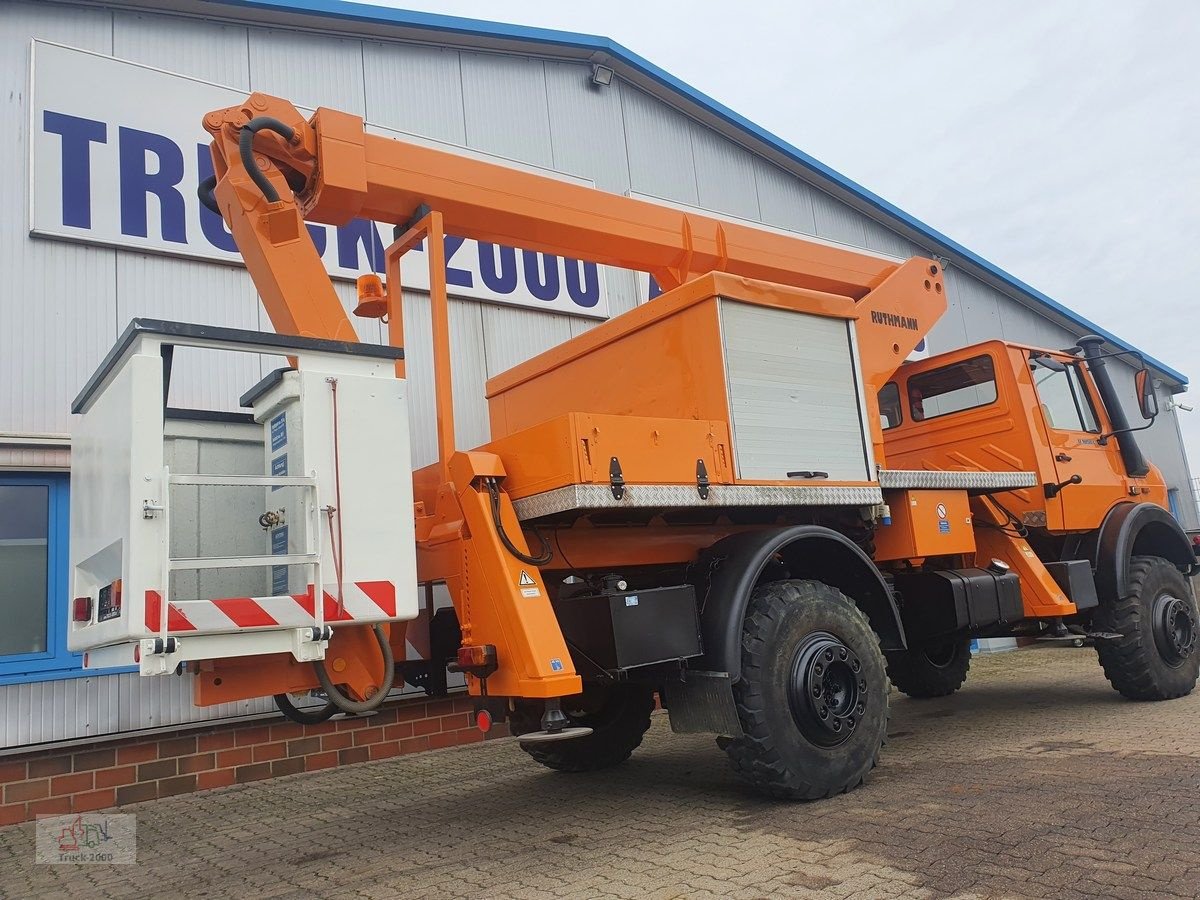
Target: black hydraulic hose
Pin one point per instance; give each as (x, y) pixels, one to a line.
(204, 191)
(246, 151)
(344, 703)
(547, 553)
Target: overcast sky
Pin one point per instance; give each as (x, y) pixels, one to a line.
(1059, 140)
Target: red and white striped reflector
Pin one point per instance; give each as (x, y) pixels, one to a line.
(363, 601)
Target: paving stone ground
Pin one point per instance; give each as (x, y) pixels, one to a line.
(1035, 780)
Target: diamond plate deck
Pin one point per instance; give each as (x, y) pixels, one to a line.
(893, 479)
(666, 496)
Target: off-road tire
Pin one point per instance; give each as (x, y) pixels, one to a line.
(934, 671)
(1135, 664)
(618, 724)
(305, 715)
(774, 755)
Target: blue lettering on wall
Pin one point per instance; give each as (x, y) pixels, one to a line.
(504, 280)
(320, 237)
(211, 224)
(137, 183)
(457, 277)
(544, 287)
(351, 236)
(77, 135)
(587, 293)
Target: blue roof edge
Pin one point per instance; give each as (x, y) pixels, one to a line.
(435, 22)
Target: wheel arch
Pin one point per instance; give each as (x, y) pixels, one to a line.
(1136, 529)
(733, 566)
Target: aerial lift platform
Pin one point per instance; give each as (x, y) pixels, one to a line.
(738, 496)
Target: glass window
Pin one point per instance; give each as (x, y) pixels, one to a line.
(1065, 402)
(890, 413)
(24, 568)
(954, 388)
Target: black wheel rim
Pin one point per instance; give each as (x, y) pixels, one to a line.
(827, 690)
(1174, 624)
(941, 657)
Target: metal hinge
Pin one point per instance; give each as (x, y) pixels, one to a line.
(701, 480)
(151, 508)
(616, 480)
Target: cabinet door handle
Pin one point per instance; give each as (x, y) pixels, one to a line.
(1062, 457)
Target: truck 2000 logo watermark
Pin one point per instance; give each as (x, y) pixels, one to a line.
(87, 838)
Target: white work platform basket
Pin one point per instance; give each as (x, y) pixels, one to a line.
(202, 535)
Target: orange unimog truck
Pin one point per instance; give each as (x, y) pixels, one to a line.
(738, 496)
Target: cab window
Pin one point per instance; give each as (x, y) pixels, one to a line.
(954, 388)
(1066, 405)
(890, 414)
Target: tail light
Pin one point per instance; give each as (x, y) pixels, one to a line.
(478, 660)
(81, 609)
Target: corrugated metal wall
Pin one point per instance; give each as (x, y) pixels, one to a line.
(64, 304)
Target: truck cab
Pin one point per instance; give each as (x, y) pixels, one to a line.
(997, 406)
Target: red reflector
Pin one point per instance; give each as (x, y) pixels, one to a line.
(137, 653)
(81, 609)
(483, 721)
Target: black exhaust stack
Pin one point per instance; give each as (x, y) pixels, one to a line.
(1131, 454)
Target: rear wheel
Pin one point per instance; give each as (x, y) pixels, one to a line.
(305, 715)
(619, 715)
(1156, 657)
(934, 670)
(812, 699)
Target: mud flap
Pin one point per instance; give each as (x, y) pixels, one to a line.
(702, 704)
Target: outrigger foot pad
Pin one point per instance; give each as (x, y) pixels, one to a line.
(545, 737)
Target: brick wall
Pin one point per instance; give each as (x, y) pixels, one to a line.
(116, 772)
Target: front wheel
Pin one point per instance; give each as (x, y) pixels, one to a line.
(933, 670)
(1156, 657)
(813, 697)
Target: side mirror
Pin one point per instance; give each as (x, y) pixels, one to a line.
(1147, 399)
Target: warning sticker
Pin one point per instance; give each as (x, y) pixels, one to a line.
(525, 578)
(941, 510)
(530, 592)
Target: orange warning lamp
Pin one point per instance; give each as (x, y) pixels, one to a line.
(372, 301)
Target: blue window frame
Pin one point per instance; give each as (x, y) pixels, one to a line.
(35, 579)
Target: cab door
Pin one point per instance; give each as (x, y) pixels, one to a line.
(1068, 408)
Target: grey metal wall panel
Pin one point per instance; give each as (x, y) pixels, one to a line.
(155, 701)
(414, 89)
(57, 710)
(49, 340)
(587, 133)
(202, 49)
(504, 100)
(308, 69)
(512, 336)
(881, 239)
(586, 129)
(181, 290)
(793, 394)
(467, 376)
(658, 142)
(724, 175)
(838, 222)
(1024, 326)
(980, 309)
(34, 458)
(784, 200)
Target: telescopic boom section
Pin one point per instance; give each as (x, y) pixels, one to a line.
(336, 171)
